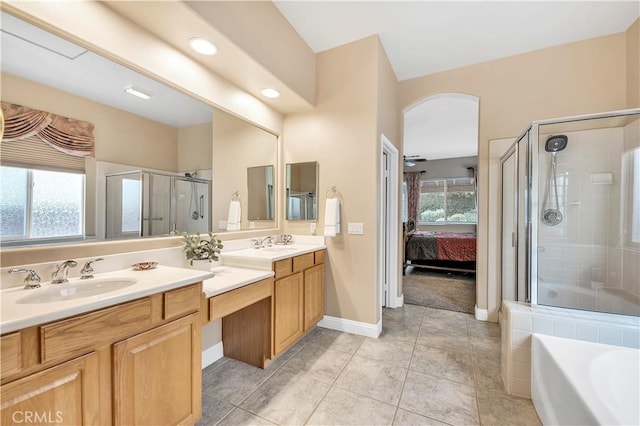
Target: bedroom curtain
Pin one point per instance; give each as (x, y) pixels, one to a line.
(69, 136)
(413, 194)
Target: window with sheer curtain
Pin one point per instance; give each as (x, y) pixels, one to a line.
(448, 201)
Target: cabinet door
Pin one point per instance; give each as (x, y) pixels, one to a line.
(65, 394)
(156, 375)
(313, 297)
(288, 322)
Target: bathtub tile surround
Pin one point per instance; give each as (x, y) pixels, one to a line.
(519, 321)
(340, 378)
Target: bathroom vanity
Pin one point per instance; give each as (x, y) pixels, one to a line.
(136, 360)
(263, 317)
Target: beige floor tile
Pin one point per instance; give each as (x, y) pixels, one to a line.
(286, 398)
(337, 340)
(341, 407)
(443, 339)
(239, 417)
(318, 363)
(454, 366)
(213, 410)
(404, 330)
(233, 381)
(373, 379)
(487, 374)
(448, 320)
(497, 408)
(407, 312)
(483, 328)
(390, 351)
(439, 399)
(407, 418)
(485, 347)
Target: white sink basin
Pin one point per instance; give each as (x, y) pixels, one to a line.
(77, 290)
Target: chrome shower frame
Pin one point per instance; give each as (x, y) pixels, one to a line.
(527, 195)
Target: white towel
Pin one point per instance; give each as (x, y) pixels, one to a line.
(235, 214)
(332, 217)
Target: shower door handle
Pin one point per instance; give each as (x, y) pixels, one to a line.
(201, 207)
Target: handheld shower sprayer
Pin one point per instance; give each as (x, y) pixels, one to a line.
(553, 145)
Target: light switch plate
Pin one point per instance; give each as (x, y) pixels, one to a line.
(312, 227)
(355, 228)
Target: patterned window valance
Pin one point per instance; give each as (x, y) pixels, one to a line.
(72, 137)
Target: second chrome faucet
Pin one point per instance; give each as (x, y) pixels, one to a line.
(62, 271)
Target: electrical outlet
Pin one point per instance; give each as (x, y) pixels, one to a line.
(355, 228)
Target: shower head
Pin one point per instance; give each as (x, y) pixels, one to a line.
(556, 143)
(190, 174)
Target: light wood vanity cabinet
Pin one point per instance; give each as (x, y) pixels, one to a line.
(134, 363)
(298, 298)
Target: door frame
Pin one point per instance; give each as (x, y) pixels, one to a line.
(388, 241)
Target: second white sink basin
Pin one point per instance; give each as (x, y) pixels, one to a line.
(278, 249)
(76, 290)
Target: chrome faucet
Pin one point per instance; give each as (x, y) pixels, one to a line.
(267, 242)
(32, 280)
(62, 270)
(257, 243)
(87, 270)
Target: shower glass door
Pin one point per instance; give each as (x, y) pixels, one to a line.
(509, 225)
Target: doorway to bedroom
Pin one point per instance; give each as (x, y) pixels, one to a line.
(440, 211)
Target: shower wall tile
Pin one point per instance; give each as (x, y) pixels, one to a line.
(587, 332)
(564, 328)
(521, 322)
(610, 335)
(631, 338)
(542, 325)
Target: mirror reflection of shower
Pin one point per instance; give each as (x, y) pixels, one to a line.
(552, 216)
(142, 203)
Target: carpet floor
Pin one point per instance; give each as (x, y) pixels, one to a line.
(440, 289)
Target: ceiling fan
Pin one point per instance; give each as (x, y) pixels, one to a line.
(411, 160)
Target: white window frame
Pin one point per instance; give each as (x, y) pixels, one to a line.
(446, 180)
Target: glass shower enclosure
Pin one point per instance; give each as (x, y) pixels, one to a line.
(142, 203)
(571, 214)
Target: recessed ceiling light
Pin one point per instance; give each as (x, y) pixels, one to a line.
(270, 93)
(202, 46)
(135, 91)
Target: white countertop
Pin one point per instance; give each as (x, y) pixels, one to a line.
(263, 258)
(229, 278)
(15, 315)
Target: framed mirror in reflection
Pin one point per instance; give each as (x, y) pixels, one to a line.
(302, 191)
(166, 141)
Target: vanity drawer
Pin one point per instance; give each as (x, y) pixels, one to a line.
(283, 267)
(182, 301)
(234, 300)
(10, 355)
(302, 262)
(62, 338)
(318, 257)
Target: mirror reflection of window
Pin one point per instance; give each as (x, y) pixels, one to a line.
(40, 204)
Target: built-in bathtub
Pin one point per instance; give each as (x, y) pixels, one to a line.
(575, 382)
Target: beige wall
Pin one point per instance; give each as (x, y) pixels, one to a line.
(340, 133)
(237, 145)
(633, 65)
(195, 147)
(577, 78)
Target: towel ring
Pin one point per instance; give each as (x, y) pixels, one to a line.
(235, 196)
(333, 193)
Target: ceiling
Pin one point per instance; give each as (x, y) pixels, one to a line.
(425, 37)
(37, 55)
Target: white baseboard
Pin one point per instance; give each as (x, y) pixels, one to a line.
(212, 354)
(481, 314)
(350, 326)
(399, 301)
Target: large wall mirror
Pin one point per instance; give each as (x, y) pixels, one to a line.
(302, 191)
(161, 165)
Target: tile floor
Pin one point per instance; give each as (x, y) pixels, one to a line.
(429, 367)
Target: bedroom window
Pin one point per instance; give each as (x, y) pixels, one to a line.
(40, 204)
(448, 201)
